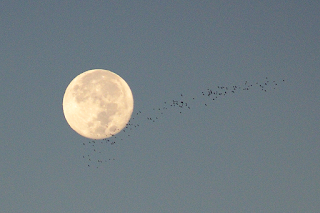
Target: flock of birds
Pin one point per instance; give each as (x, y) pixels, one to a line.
(96, 149)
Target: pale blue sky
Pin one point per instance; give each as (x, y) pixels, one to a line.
(248, 151)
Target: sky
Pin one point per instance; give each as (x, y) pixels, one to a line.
(252, 150)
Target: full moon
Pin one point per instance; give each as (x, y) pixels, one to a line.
(97, 104)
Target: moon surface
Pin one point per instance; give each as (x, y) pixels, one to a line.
(98, 104)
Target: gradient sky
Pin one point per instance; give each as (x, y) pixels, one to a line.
(248, 151)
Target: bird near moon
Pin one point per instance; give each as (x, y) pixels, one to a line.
(98, 104)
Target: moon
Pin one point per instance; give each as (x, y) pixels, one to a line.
(97, 104)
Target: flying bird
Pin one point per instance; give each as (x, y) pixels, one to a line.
(179, 105)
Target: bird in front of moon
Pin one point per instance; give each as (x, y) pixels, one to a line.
(98, 104)
(96, 148)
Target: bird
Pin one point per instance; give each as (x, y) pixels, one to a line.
(179, 104)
